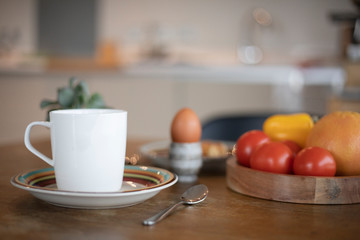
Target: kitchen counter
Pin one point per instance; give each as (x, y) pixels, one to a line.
(241, 74)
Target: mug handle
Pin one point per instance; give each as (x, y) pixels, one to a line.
(30, 146)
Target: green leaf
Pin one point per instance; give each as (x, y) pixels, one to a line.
(96, 101)
(82, 88)
(76, 105)
(45, 103)
(66, 97)
(71, 82)
(74, 96)
(81, 100)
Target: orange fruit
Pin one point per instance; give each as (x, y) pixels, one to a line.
(339, 133)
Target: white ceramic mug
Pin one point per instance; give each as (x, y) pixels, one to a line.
(88, 148)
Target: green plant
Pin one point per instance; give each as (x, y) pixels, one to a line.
(74, 96)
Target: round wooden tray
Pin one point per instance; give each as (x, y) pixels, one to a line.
(292, 188)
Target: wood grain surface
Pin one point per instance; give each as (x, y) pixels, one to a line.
(225, 214)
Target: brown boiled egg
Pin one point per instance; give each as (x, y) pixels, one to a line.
(186, 127)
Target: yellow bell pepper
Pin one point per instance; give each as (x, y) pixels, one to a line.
(294, 127)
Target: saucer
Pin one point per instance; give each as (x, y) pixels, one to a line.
(140, 184)
(158, 153)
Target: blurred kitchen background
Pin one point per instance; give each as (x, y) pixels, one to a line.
(151, 58)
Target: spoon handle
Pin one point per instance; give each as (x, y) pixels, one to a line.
(161, 215)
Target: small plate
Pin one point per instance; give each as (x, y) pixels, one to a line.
(140, 183)
(158, 153)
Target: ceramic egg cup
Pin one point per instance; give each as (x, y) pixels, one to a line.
(186, 160)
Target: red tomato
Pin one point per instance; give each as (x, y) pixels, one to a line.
(314, 161)
(247, 143)
(294, 147)
(273, 157)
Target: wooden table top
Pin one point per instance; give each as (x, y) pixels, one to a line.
(223, 215)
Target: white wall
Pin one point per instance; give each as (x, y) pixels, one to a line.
(20, 15)
(211, 30)
(201, 30)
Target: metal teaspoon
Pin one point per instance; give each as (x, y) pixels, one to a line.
(193, 195)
